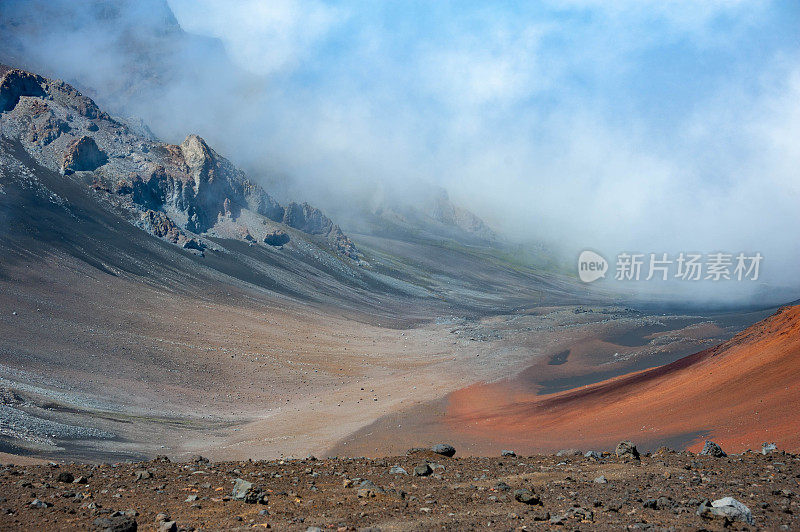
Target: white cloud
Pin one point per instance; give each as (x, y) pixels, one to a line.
(262, 37)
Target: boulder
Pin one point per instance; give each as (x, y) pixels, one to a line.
(247, 492)
(526, 496)
(767, 448)
(36, 503)
(569, 452)
(712, 449)
(118, 523)
(444, 449)
(726, 508)
(422, 470)
(627, 450)
(368, 489)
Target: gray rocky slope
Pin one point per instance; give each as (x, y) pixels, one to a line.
(76, 182)
(181, 193)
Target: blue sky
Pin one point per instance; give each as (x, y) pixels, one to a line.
(618, 125)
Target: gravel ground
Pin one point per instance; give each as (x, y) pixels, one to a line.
(571, 491)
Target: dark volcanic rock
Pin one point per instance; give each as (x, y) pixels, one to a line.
(526, 496)
(36, 503)
(627, 450)
(65, 476)
(422, 470)
(119, 523)
(276, 238)
(712, 449)
(247, 492)
(83, 155)
(444, 449)
(160, 225)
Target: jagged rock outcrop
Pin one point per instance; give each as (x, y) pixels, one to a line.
(307, 219)
(160, 225)
(176, 192)
(445, 212)
(83, 155)
(17, 83)
(313, 221)
(220, 188)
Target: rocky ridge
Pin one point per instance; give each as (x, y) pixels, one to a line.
(181, 193)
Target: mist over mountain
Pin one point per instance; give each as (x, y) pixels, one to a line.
(533, 119)
(237, 234)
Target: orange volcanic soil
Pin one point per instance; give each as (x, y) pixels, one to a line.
(740, 393)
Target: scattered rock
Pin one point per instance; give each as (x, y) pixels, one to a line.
(397, 470)
(584, 514)
(767, 448)
(444, 449)
(627, 450)
(66, 477)
(526, 496)
(168, 526)
(661, 503)
(569, 452)
(712, 449)
(726, 508)
(502, 486)
(368, 489)
(247, 492)
(143, 474)
(422, 470)
(40, 504)
(115, 523)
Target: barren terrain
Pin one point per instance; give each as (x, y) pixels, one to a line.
(419, 491)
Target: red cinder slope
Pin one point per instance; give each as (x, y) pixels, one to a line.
(741, 393)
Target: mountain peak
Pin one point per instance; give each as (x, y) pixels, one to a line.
(179, 193)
